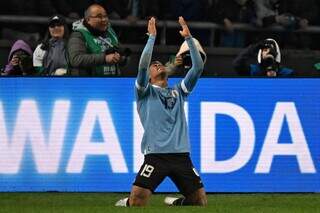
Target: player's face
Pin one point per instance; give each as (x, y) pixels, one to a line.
(157, 69)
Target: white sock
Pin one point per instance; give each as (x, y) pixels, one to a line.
(122, 202)
(169, 200)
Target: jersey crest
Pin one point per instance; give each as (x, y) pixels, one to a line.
(169, 99)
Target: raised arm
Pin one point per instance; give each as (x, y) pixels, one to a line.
(195, 71)
(241, 63)
(145, 59)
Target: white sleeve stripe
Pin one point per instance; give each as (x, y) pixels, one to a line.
(140, 87)
(184, 88)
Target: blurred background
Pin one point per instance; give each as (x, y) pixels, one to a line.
(223, 27)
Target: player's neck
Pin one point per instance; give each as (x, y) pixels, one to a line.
(160, 83)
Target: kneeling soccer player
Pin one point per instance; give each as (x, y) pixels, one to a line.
(165, 142)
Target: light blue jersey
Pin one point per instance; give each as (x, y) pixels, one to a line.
(161, 110)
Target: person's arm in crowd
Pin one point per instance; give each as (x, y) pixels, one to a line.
(265, 15)
(78, 56)
(195, 71)
(241, 62)
(228, 14)
(133, 15)
(8, 69)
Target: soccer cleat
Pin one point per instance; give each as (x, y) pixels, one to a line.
(122, 202)
(170, 200)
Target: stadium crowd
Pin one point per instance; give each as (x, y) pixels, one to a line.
(91, 46)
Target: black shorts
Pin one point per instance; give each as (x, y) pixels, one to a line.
(177, 166)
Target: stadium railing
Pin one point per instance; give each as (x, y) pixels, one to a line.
(164, 25)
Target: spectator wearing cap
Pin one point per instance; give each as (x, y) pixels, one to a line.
(49, 58)
(93, 46)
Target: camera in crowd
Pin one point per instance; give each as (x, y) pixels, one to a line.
(269, 64)
(25, 63)
(269, 61)
(125, 53)
(186, 58)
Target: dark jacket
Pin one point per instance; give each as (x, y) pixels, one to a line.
(85, 61)
(47, 60)
(81, 62)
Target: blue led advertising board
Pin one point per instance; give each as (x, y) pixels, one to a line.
(83, 134)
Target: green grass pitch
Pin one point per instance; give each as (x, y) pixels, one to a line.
(104, 202)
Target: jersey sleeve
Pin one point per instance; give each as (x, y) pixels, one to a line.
(142, 80)
(191, 78)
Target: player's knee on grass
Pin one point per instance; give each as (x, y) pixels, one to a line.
(198, 198)
(202, 201)
(139, 196)
(138, 200)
